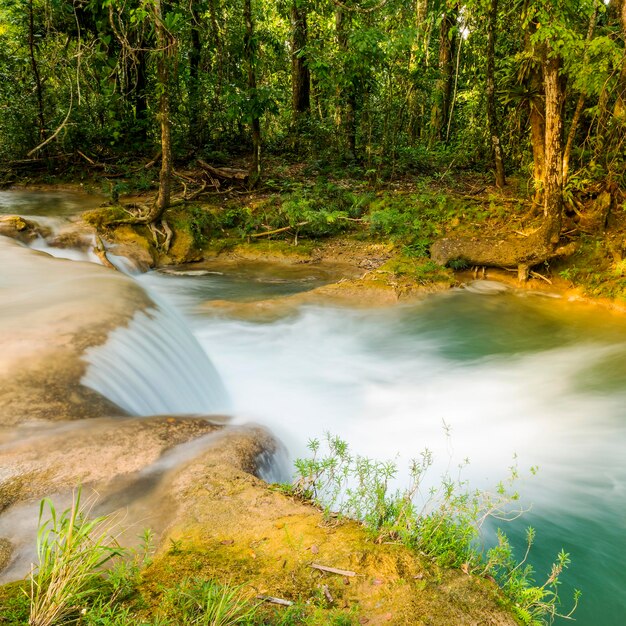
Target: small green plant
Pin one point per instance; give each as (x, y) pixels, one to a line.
(70, 548)
(444, 523)
(533, 604)
(209, 603)
(458, 264)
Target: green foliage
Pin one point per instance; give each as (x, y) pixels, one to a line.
(414, 220)
(322, 210)
(208, 603)
(445, 525)
(70, 549)
(201, 223)
(533, 604)
(14, 604)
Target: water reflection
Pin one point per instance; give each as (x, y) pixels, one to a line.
(47, 203)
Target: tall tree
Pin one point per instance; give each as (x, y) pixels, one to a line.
(253, 101)
(166, 52)
(443, 88)
(496, 146)
(553, 178)
(346, 87)
(300, 74)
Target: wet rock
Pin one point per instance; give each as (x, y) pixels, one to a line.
(89, 452)
(21, 229)
(75, 236)
(135, 243)
(51, 311)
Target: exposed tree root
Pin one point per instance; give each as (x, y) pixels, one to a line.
(100, 252)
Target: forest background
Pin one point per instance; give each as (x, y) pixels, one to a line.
(374, 91)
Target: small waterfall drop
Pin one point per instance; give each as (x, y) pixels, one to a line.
(155, 366)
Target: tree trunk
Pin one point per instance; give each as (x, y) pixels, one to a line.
(443, 87)
(255, 122)
(416, 61)
(34, 65)
(140, 102)
(165, 51)
(195, 54)
(498, 156)
(347, 94)
(619, 110)
(219, 48)
(553, 175)
(300, 75)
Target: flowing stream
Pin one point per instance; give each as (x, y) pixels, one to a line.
(507, 375)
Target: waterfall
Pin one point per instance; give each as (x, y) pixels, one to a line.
(155, 366)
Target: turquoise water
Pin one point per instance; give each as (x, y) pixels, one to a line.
(509, 375)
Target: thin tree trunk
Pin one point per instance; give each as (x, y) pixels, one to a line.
(195, 53)
(416, 60)
(619, 110)
(219, 47)
(300, 75)
(571, 135)
(33, 62)
(165, 47)
(140, 102)
(347, 96)
(492, 119)
(553, 183)
(255, 122)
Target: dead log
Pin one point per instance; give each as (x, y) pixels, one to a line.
(225, 173)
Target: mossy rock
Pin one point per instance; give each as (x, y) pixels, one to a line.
(105, 216)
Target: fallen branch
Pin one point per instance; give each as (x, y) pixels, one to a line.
(279, 230)
(538, 275)
(59, 129)
(154, 161)
(275, 600)
(332, 570)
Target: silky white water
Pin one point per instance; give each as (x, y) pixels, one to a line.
(508, 376)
